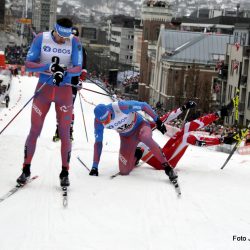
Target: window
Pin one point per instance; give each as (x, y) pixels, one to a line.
(157, 33)
(243, 39)
(232, 67)
(146, 34)
(248, 101)
(229, 92)
(235, 37)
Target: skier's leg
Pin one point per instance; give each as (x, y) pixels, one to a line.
(193, 125)
(40, 108)
(127, 157)
(64, 107)
(72, 125)
(74, 94)
(145, 136)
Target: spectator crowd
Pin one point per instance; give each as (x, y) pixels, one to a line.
(16, 54)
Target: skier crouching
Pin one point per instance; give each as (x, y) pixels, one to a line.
(123, 117)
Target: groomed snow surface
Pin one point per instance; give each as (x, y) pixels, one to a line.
(136, 212)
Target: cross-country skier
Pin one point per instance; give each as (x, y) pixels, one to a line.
(176, 146)
(123, 117)
(57, 55)
(76, 84)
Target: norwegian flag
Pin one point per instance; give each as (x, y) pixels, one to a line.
(217, 88)
(237, 45)
(235, 65)
(219, 65)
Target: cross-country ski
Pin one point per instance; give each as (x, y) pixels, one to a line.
(17, 188)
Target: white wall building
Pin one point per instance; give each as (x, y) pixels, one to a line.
(43, 14)
(122, 44)
(137, 49)
(238, 54)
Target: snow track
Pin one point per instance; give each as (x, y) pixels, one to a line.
(136, 212)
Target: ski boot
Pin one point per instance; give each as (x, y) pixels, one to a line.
(170, 173)
(64, 177)
(24, 177)
(138, 154)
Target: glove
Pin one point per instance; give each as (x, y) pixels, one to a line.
(93, 172)
(79, 85)
(200, 143)
(54, 67)
(229, 139)
(58, 73)
(188, 105)
(160, 126)
(58, 77)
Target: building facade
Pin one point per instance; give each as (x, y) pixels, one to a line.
(2, 13)
(43, 14)
(154, 13)
(137, 49)
(238, 70)
(184, 67)
(121, 39)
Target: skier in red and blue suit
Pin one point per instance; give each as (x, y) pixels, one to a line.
(123, 117)
(57, 55)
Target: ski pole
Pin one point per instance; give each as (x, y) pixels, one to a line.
(99, 86)
(74, 86)
(185, 118)
(79, 159)
(240, 139)
(80, 95)
(36, 93)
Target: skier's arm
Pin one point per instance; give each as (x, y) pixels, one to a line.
(133, 106)
(201, 140)
(32, 60)
(175, 113)
(77, 58)
(171, 115)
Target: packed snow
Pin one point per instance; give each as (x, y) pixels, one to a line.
(136, 212)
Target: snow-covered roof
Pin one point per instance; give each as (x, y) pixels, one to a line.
(183, 46)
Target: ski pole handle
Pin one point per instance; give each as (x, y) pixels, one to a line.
(55, 59)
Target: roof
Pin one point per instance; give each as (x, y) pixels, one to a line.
(227, 20)
(184, 46)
